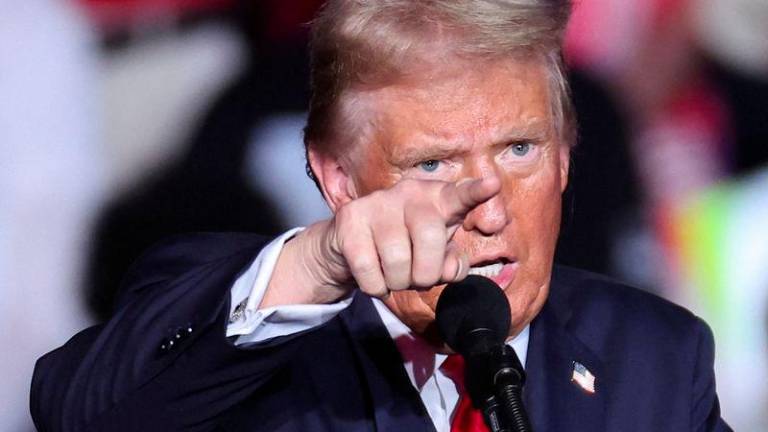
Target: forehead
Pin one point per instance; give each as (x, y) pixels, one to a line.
(461, 105)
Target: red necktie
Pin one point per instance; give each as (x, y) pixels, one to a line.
(466, 418)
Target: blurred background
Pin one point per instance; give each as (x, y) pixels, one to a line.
(126, 121)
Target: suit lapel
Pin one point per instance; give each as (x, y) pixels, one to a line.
(554, 401)
(395, 404)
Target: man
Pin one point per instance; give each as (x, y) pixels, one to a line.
(439, 134)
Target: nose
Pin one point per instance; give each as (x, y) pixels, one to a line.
(488, 218)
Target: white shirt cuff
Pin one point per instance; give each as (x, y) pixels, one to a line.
(252, 325)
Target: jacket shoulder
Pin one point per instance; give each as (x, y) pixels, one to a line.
(651, 350)
(179, 283)
(173, 256)
(608, 312)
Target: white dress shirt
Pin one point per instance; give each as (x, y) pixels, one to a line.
(421, 362)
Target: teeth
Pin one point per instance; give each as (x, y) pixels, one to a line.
(490, 270)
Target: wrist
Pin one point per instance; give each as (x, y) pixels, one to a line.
(306, 271)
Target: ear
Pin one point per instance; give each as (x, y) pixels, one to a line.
(335, 182)
(565, 165)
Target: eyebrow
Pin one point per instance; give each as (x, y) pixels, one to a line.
(533, 130)
(441, 149)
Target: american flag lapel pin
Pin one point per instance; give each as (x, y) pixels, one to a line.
(583, 378)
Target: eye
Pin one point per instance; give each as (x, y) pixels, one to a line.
(520, 149)
(430, 165)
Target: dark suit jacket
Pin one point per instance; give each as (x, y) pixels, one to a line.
(652, 359)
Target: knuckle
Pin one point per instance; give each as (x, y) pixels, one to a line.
(345, 214)
(408, 186)
(376, 196)
(431, 234)
(395, 255)
(362, 264)
(398, 285)
(420, 210)
(426, 277)
(348, 249)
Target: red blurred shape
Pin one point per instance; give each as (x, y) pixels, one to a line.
(112, 15)
(287, 19)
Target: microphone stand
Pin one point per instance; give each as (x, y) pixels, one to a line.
(492, 415)
(479, 381)
(508, 388)
(494, 379)
(473, 317)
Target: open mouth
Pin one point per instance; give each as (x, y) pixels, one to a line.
(487, 270)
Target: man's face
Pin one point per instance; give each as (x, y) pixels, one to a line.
(472, 120)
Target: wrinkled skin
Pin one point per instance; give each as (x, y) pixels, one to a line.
(462, 120)
(471, 111)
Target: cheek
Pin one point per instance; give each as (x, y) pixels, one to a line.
(534, 201)
(537, 210)
(534, 209)
(535, 223)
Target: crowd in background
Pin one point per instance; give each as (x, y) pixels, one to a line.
(126, 121)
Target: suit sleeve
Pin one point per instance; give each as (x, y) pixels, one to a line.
(705, 413)
(164, 353)
(250, 324)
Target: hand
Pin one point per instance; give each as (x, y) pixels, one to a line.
(392, 239)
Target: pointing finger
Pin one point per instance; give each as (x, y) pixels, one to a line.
(458, 199)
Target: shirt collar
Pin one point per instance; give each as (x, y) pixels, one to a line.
(419, 358)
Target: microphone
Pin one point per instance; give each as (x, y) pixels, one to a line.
(473, 318)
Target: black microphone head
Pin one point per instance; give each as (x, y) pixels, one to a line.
(471, 313)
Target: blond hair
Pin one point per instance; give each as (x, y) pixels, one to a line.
(370, 43)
